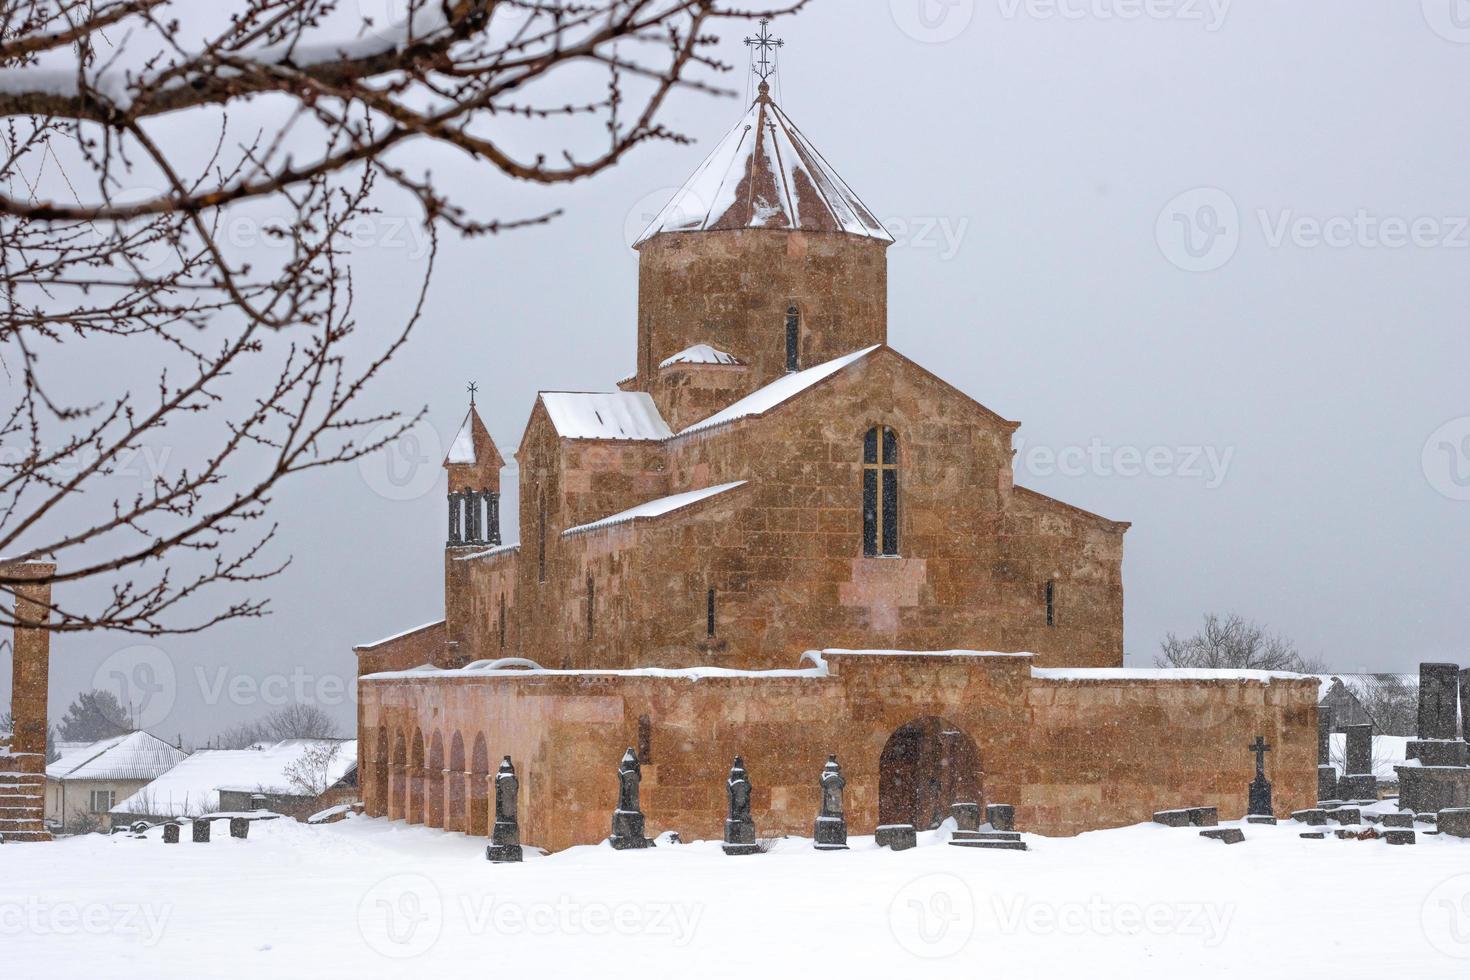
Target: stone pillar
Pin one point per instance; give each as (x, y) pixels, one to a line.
(201, 831)
(417, 784)
(30, 675)
(494, 518)
(396, 791)
(454, 535)
(479, 805)
(1326, 771)
(830, 833)
(455, 794)
(1465, 702)
(1439, 696)
(472, 517)
(627, 821)
(1358, 781)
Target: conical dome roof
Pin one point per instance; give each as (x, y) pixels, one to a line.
(765, 174)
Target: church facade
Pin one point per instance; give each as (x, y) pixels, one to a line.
(784, 539)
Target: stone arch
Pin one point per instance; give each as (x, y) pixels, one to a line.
(479, 801)
(434, 808)
(398, 779)
(927, 765)
(416, 786)
(376, 797)
(454, 783)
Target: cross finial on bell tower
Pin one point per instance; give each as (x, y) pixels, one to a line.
(472, 388)
(764, 47)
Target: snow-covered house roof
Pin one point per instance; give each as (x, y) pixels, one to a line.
(134, 756)
(762, 400)
(766, 174)
(192, 787)
(655, 508)
(605, 415)
(700, 354)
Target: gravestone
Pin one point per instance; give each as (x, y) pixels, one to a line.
(505, 836)
(1465, 703)
(1172, 818)
(1402, 821)
(1312, 818)
(1260, 790)
(830, 833)
(1455, 822)
(1203, 816)
(1358, 781)
(1399, 836)
(739, 825)
(201, 831)
(170, 833)
(1439, 697)
(966, 816)
(239, 828)
(1001, 816)
(1229, 835)
(627, 821)
(897, 836)
(1326, 771)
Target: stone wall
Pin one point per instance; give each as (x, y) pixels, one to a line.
(23, 755)
(1070, 754)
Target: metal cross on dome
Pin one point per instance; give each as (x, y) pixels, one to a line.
(764, 46)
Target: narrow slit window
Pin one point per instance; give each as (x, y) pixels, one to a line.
(880, 492)
(1051, 602)
(502, 621)
(541, 539)
(793, 338)
(709, 613)
(591, 607)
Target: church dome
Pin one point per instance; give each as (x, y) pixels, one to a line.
(765, 174)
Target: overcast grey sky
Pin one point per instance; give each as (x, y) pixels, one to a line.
(1212, 256)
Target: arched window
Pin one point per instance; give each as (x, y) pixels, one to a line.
(793, 338)
(880, 492)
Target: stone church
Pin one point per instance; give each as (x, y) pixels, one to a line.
(782, 538)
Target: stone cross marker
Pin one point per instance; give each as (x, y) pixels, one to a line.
(831, 829)
(627, 822)
(739, 826)
(1439, 696)
(1260, 793)
(505, 837)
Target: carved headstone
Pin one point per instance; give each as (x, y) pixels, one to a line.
(1260, 791)
(1439, 697)
(201, 831)
(739, 825)
(170, 833)
(831, 829)
(966, 816)
(1001, 816)
(1359, 754)
(239, 828)
(1324, 736)
(505, 836)
(627, 822)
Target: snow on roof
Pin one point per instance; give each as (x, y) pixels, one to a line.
(499, 549)
(462, 450)
(605, 415)
(765, 174)
(136, 755)
(654, 508)
(1163, 674)
(762, 400)
(192, 787)
(700, 354)
(398, 635)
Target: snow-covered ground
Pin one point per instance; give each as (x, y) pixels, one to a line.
(369, 898)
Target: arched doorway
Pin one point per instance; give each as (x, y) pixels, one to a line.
(398, 780)
(376, 796)
(416, 786)
(454, 815)
(926, 765)
(434, 807)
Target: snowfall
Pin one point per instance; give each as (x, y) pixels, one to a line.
(366, 897)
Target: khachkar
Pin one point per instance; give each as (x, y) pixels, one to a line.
(627, 822)
(1260, 792)
(1358, 781)
(23, 753)
(739, 826)
(1326, 771)
(1435, 775)
(831, 830)
(505, 837)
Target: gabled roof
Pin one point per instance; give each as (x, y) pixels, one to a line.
(192, 787)
(134, 756)
(765, 174)
(700, 354)
(605, 415)
(762, 400)
(655, 508)
(472, 445)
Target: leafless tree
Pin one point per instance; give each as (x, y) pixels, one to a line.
(311, 775)
(290, 721)
(136, 131)
(1391, 700)
(1233, 642)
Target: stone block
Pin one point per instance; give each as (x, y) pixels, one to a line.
(1172, 818)
(1455, 822)
(1228, 835)
(1443, 752)
(1346, 834)
(1203, 816)
(1399, 836)
(1312, 818)
(170, 833)
(1358, 787)
(1326, 782)
(1401, 820)
(1359, 750)
(1261, 819)
(1426, 789)
(1324, 735)
(1347, 815)
(239, 828)
(1001, 816)
(1439, 698)
(201, 831)
(966, 816)
(1313, 835)
(1465, 703)
(897, 836)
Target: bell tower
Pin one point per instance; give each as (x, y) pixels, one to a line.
(766, 256)
(474, 466)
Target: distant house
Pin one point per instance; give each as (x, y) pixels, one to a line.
(87, 781)
(1339, 692)
(297, 777)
